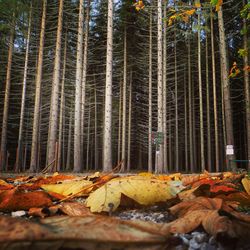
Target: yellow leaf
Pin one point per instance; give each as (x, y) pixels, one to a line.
(220, 2)
(189, 12)
(143, 190)
(246, 184)
(197, 5)
(68, 187)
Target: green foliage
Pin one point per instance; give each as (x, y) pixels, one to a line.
(214, 2)
(242, 52)
(245, 12)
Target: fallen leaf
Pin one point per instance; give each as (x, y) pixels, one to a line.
(88, 232)
(14, 200)
(68, 188)
(241, 197)
(5, 186)
(143, 190)
(246, 184)
(74, 209)
(199, 203)
(202, 190)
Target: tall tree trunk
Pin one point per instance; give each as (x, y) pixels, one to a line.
(62, 103)
(88, 136)
(107, 140)
(84, 74)
(216, 135)
(190, 111)
(53, 121)
(176, 109)
(20, 136)
(150, 168)
(129, 121)
(96, 137)
(78, 92)
(36, 119)
(209, 156)
(68, 163)
(119, 125)
(200, 96)
(185, 122)
(165, 164)
(124, 106)
(159, 151)
(247, 92)
(3, 151)
(226, 87)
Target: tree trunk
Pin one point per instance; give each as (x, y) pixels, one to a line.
(247, 92)
(84, 74)
(209, 159)
(78, 92)
(159, 151)
(119, 126)
(176, 109)
(165, 164)
(226, 88)
(200, 97)
(36, 120)
(3, 151)
(185, 123)
(60, 137)
(124, 110)
(216, 139)
(190, 110)
(88, 136)
(96, 137)
(68, 164)
(107, 140)
(53, 121)
(150, 168)
(129, 122)
(20, 136)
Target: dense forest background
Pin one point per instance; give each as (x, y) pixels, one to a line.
(164, 86)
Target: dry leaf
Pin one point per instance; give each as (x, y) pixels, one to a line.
(143, 190)
(74, 209)
(68, 188)
(246, 184)
(88, 232)
(14, 200)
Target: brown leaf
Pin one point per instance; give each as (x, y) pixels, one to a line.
(200, 203)
(241, 197)
(92, 230)
(215, 224)
(74, 209)
(12, 229)
(13, 200)
(189, 222)
(202, 190)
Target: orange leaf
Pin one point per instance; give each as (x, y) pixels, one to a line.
(13, 200)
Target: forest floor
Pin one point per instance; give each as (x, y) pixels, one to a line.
(129, 211)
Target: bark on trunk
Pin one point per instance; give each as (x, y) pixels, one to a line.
(216, 135)
(226, 89)
(150, 168)
(20, 136)
(36, 120)
(124, 106)
(107, 140)
(159, 150)
(78, 92)
(53, 121)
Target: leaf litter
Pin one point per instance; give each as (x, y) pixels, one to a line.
(129, 212)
